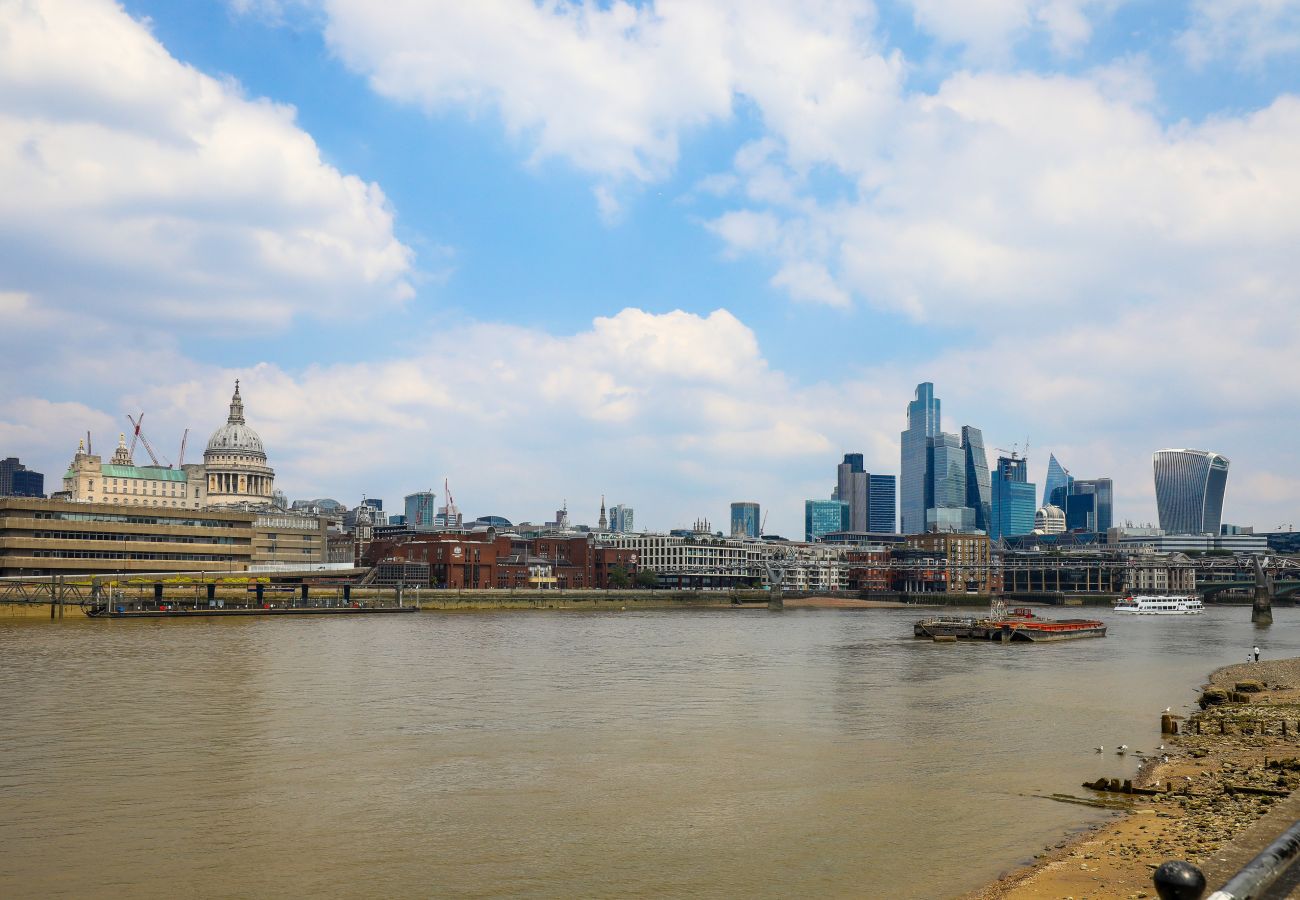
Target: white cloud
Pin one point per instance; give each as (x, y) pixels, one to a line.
(1248, 32)
(131, 182)
(989, 29)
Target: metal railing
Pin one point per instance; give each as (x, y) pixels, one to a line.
(1183, 881)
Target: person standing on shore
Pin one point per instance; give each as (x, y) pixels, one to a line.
(1257, 654)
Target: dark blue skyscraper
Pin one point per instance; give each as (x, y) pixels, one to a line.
(1013, 498)
(881, 504)
(746, 520)
(922, 424)
(1091, 504)
(978, 491)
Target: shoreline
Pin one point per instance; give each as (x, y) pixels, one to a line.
(1231, 771)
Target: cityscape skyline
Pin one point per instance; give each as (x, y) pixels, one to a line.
(636, 273)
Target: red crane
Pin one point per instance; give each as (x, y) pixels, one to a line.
(137, 434)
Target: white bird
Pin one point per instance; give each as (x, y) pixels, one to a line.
(1165, 758)
(1099, 749)
(1168, 708)
(1161, 747)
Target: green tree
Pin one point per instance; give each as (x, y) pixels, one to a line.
(618, 577)
(647, 578)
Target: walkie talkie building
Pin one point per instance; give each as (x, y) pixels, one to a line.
(1189, 490)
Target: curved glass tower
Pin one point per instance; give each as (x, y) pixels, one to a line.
(1189, 490)
(1057, 486)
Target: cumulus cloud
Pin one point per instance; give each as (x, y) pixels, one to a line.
(133, 183)
(1247, 32)
(989, 29)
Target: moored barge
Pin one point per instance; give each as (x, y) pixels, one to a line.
(1019, 624)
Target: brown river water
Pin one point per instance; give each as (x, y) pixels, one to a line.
(712, 753)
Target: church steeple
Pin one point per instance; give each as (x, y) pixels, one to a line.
(236, 407)
(603, 524)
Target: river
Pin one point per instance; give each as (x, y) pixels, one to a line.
(563, 754)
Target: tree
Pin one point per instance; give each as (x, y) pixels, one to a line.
(618, 577)
(647, 578)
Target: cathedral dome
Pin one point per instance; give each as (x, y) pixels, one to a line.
(235, 436)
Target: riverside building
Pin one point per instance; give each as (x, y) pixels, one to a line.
(120, 482)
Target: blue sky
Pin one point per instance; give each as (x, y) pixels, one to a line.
(678, 253)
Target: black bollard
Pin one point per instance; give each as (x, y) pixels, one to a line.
(1178, 880)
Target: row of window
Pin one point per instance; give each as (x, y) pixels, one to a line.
(146, 538)
(108, 554)
(128, 501)
(137, 520)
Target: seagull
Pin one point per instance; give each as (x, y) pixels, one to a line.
(1161, 747)
(1098, 749)
(1165, 758)
(1168, 708)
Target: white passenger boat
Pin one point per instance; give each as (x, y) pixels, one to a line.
(1160, 605)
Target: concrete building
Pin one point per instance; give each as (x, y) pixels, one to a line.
(235, 463)
(288, 540)
(60, 537)
(16, 480)
(962, 563)
(1049, 520)
(122, 483)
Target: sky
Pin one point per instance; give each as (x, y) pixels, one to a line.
(674, 253)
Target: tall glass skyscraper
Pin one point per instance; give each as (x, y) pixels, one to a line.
(821, 517)
(745, 520)
(1057, 486)
(1013, 498)
(922, 424)
(852, 486)
(1101, 507)
(979, 495)
(1189, 490)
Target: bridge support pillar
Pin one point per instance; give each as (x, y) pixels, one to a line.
(1261, 612)
(775, 600)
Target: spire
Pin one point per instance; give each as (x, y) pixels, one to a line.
(236, 407)
(603, 524)
(122, 455)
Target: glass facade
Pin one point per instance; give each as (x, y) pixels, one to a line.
(1103, 505)
(1013, 498)
(922, 424)
(622, 519)
(1081, 512)
(421, 509)
(746, 520)
(1057, 486)
(822, 517)
(979, 495)
(882, 504)
(1189, 490)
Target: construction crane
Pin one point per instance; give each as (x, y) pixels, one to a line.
(137, 434)
(762, 528)
(180, 461)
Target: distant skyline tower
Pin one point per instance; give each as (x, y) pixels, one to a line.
(1189, 490)
(1013, 498)
(421, 509)
(923, 420)
(979, 495)
(622, 519)
(1057, 486)
(746, 520)
(882, 504)
(1091, 505)
(821, 517)
(853, 487)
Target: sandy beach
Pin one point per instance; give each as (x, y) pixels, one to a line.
(1229, 775)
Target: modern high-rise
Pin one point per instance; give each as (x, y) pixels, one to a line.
(16, 480)
(421, 508)
(1189, 490)
(913, 491)
(872, 499)
(979, 496)
(1090, 505)
(622, 519)
(1013, 498)
(746, 520)
(1057, 486)
(882, 504)
(821, 517)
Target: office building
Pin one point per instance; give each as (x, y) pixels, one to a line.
(122, 483)
(746, 520)
(979, 496)
(882, 504)
(1189, 490)
(872, 499)
(1049, 520)
(822, 517)
(1101, 508)
(622, 519)
(16, 480)
(1057, 486)
(1013, 498)
(421, 507)
(61, 537)
(922, 425)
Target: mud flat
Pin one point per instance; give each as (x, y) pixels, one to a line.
(1225, 787)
